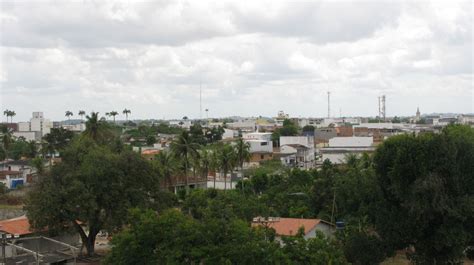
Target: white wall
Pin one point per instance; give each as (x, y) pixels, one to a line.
(307, 141)
(29, 136)
(351, 141)
(260, 146)
(257, 136)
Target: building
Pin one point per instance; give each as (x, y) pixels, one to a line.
(291, 226)
(304, 147)
(243, 125)
(340, 147)
(27, 246)
(26, 171)
(35, 129)
(322, 135)
(466, 119)
(261, 147)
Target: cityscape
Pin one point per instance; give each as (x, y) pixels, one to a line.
(294, 133)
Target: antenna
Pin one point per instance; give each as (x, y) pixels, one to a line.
(379, 114)
(329, 104)
(383, 108)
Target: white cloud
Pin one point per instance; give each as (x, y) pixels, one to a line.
(252, 59)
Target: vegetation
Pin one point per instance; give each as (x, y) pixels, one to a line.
(415, 192)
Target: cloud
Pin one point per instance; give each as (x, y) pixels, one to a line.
(249, 59)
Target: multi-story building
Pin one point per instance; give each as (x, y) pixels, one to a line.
(35, 129)
(261, 146)
(302, 147)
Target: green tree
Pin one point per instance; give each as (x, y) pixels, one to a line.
(81, 113)
(227, 161)
(308, 128)
(58, 139)
(7, 139)
(126, 112)
(150, 140)
(427, 185)
(79, 191)
(184, 148)
(113, 114)
(69, 114)
(97, 129)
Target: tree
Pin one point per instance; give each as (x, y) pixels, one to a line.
(113, 114)
(166, 166)
(308, 128)
(96, 129)
(58, 139)
(150, 139)
(242, 152)
(227, 161)
(69, 114)
(12, 114)
(81, 113)
(79, 191)
(126, 112)
(6, 113)
(184, 148)
(6, 139)
(427, 185)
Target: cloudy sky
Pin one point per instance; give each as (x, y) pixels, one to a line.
(251, 58)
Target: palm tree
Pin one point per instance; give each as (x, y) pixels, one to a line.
(12, 114)
(113, 113)
(82, 113)
(126, 112)
(184, 148)
(6, 139)
(242, 152)
(226, 162)
(6, 113)
(92, 125)
(166, 166)
(69, 114)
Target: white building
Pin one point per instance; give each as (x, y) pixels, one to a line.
(304, 146)
(230, 134)
(79, 127)
(36, 124)
(466, 119)
(340, 147)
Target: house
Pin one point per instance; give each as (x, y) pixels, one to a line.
(25, 245)
(12, 179)
(304, 146)
(340, 147)
(261, 147)
(291, 226)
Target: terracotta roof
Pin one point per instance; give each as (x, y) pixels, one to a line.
(290, 226)
(150, 152)
(16, 226)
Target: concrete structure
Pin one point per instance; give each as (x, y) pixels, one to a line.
(37, 124)
(78, 127)
(304, 146)
(340, 147)
(322, 135)
(29, 136)
(261, 147)
(230, 134)
(244, 125)
(26, 245)
(466, 119)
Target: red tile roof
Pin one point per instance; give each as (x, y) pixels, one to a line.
(16, 226)
(290, 226)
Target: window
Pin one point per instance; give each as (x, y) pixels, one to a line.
(263, 143)
(262, 156)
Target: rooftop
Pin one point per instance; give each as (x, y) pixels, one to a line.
(16, 226)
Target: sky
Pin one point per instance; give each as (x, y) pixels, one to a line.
(249, 58)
